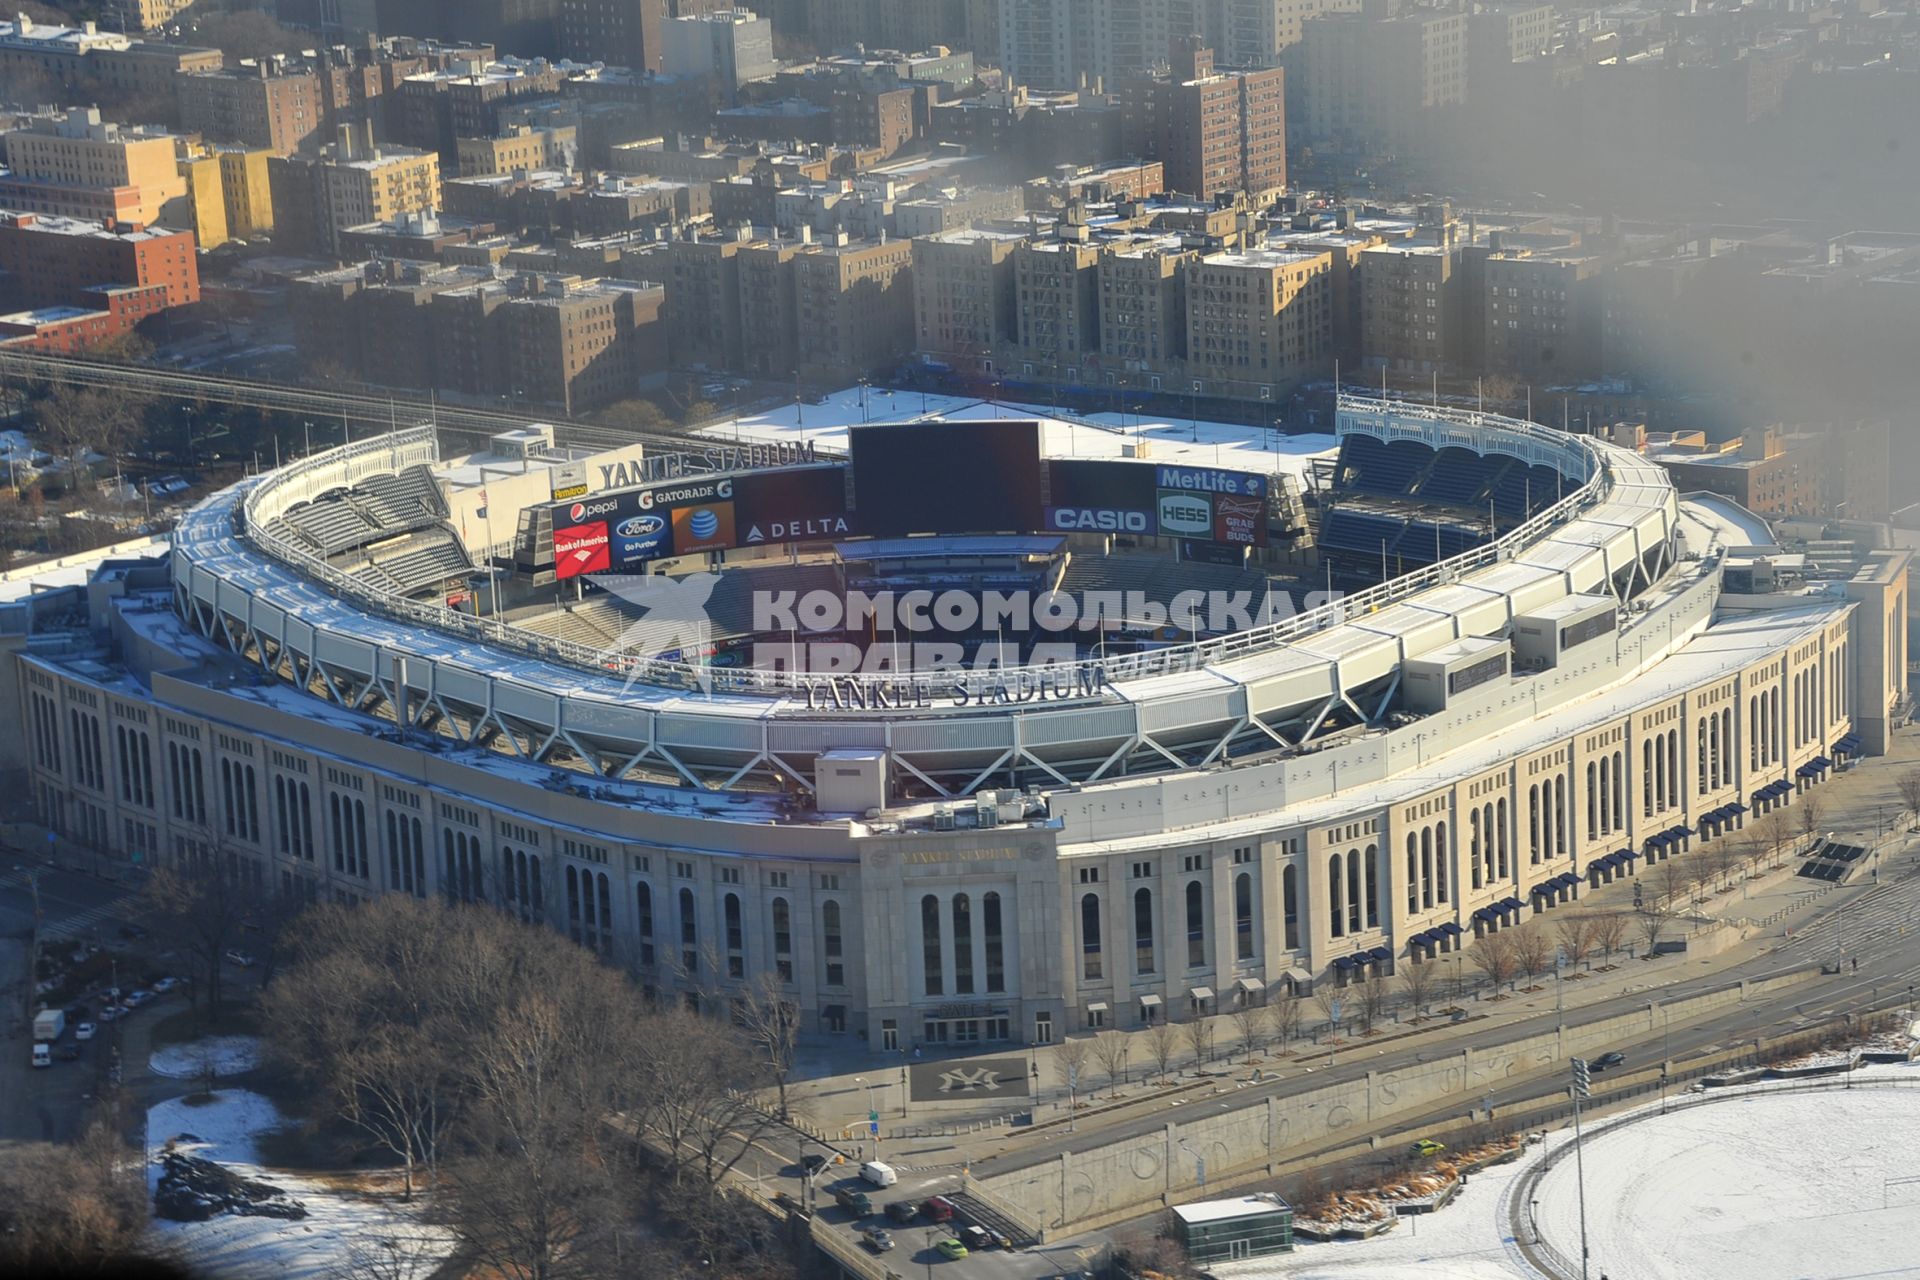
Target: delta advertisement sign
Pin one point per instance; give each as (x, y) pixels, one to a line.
(619, 531)
(1203, 504)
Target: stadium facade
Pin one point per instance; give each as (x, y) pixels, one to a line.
(302, 692)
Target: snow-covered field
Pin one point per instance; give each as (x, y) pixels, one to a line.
(342, 1228)
(1769, 1184)
(228, 1056)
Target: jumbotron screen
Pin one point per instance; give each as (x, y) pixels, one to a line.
(946, 477)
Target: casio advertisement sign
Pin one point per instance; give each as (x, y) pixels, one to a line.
(1185, 515)
(1097, 520)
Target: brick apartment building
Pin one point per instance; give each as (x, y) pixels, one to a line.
(1211, 130)
(260, 105)
(79, 283)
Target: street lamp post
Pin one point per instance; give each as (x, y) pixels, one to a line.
(873, 1112)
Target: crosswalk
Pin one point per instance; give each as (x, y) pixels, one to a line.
(83, 922)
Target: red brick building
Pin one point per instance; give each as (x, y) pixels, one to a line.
(1212, 130)
(53, 269)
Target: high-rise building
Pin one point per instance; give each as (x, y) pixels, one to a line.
(733, 46)
(624, 33)
(262, 105)
(350, 183)
(1143, 304)
(1211, 130)
(76, 166)
(1056, 286)
(1371, 79)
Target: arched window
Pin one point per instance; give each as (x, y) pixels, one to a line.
(1473, 845)
(1090, 937)
(643, 911)
(1371, 872)
(831, 944)
(1243, 916)
(993, 931)
(689, 934)
(1442, 861)
(1355, 903)
(782, 917)
(930, 945)
(1500, 833)
(1413, 872)
(962, 945)
(1196, 926)
(1593, 801)
(1620, 790)
(1336, 883)
(730, 912)
(1143, 930)
(573, 890)
(1426, 868)
(1290, 906)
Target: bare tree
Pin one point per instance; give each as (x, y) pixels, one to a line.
(197, 906)
(771, 1022)
(1532, 951)
(1609, 931)
(1374, 993)
(1416, 979)
(1283, 1019)
(1575, 937)
(1810, 813)
(1112, 1049)
(73, 1209)
(1070, 1058)
(1775, 832)
(1675, 879)
(1163, 1041)
(1327, 1000)
(1493, 956)
(1247, 1017)
(1199, 1037)
(1653, 927)
(1909, 784)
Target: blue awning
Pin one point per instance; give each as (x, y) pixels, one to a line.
(1679, 833)
(1451, 929)
(1736, 808)
(1484, 913)
(1544, 888)
(1806, 771)
(1343, 962)
(1659, 838)
(1850, 744)
(1568, 880)
(1513, 904)
(1362, 958)
(1379, 953)
(1823, 762)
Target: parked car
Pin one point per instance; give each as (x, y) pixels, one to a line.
(976, 1239)
(137, 998)
(938, 1209)
(950, 1249)
(1426, 1147)
(1608, 1061)
(42, 1055)
(165, 985)
(903, 1211)
(83, 1031)
(848, 1198)
(108, 1012)
(240, 958)
(878, 1239)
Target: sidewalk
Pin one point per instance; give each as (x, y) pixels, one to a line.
(1858, 806)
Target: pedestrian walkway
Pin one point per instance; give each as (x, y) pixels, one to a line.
(81, 923)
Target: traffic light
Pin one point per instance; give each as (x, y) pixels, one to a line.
(1582, 1079)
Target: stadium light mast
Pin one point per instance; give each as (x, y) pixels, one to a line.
(1582, 1088)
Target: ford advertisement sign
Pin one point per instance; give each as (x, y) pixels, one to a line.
(638, 539)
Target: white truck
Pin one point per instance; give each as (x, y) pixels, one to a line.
(48, 1024)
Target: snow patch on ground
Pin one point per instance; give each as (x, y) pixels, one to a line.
(1775, 1183)
(229, 1056)
(342, 1226)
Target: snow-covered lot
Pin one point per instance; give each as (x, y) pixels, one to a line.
(342, 1225)
(1768, 1183)
(226, 1055)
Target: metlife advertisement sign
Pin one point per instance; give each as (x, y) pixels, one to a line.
(1204, 504)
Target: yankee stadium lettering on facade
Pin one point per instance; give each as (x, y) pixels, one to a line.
(954, 689)
(625, 473)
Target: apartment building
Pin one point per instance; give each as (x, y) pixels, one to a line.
(349, 183)
(1259, 320)
(963, 294)
(576, 344)
(260, 105)
(1211, 130)
(1544, 308)
(76, 165)
(625, 33)
(434, 110)
(519, 147)
(1143, 304)
(247, 192)
(1056, 286)
(85, 60)
(853, 301)
(1372, 78)
(68, 284)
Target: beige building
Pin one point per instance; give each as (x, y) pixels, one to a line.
(79, 166)
(854, 300)
(1143, 304)
(524, 147)
(203, 211)
(150, 15)
(1057, 305)
(1259, 319)
(244, 187)
(963, 294)
(359, 184)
